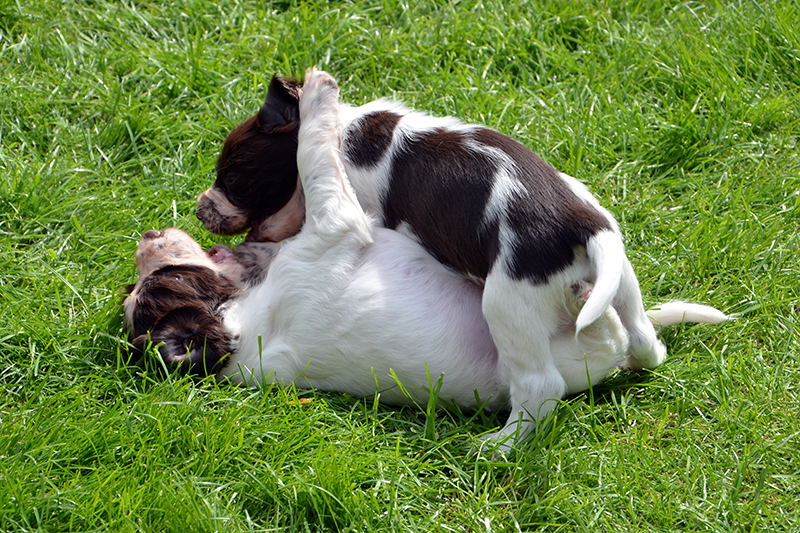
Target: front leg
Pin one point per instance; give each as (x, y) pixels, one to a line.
(332, 210)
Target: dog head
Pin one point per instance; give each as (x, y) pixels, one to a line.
(178, 302)
(257, 186)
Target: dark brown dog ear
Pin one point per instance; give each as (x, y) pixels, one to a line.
(191, 338)
(282, 107)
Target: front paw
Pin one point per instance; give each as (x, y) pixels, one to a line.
(320, 95)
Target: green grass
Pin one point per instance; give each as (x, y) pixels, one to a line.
(683, 118)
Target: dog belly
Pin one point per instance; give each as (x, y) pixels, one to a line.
(419, 320)
(399, 313)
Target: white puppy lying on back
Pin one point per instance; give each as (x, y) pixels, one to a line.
(344, 305)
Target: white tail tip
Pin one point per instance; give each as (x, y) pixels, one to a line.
(672, 313)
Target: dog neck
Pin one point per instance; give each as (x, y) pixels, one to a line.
(283, 224)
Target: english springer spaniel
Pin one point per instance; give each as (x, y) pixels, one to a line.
(478, 201)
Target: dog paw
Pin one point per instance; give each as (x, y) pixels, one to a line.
(642, 357)
(496, 446)
(316, 77)
(320, 96)
(630, 365)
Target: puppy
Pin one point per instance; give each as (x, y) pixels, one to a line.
(342, 306)
(478, 201)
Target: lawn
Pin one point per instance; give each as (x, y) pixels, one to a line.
(683, 118)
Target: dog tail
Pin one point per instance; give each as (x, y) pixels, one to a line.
(606, 255)
(671, 313)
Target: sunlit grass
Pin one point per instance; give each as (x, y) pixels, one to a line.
(683, 119)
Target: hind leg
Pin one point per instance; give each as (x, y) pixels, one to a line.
(645, 351)
(586, 359)
(522, 318)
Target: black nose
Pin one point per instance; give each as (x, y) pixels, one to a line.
(152, 234)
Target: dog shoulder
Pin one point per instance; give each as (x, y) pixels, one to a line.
(368, 131)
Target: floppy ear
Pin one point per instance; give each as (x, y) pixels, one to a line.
(191, 338)
(282, 107)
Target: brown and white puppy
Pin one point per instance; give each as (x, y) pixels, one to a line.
(341, 317)
(343, 306)
(182, 292)
(478, 201)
